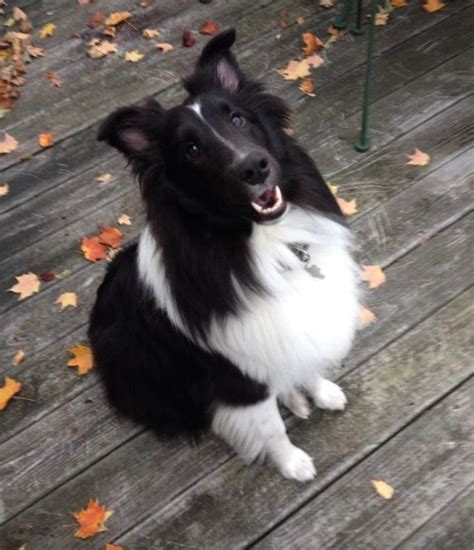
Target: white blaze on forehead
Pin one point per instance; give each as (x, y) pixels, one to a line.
(196, 107)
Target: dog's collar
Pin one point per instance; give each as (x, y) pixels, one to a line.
(301, 251)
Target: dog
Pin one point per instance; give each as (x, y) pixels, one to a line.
(241, 291)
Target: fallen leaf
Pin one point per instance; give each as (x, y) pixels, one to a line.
(18, 358)
(315, 61)
(124, 219)
(8, 390)
(54, 78)
(348, 208)
(117, 17)
(150, 33)
(299, 20)
(433, 5)
(113, 547)
(19, 15)
(110, 31)
(110, 236)
(333, 188)
(210, 27)
(398, 3)
(97, 19)
(295, 69)
(91, 519)
(307, 86)
(383, 489)
(134, 56)
(82, 359)
(104, 178)
(326, 3)
(313, 44)
(47, 277)
(25, 26)
(4, 189)
(67, 299)
(9, 22)
(84, 2)
(373, 275)
(336, 33)
(93, 249)
(381, 18)
(27, 285)
(366, 317)
(47, 30)
(418, 158)
(34, 51)
(8, 144)
(46, 139)
(188, 38)
(164, 47)
(101, 48)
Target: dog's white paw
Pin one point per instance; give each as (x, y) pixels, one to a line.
(329, 396)
(298, 465)
(297, 403)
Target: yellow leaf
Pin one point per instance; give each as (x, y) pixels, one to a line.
(104, 178)
(82, 359)
(47, 30)
(348, 208)
(383, 489)
(333, 188)
(67, 299)
(124, 219)
(18, 358)
(117, 17)
(100, 48)
(133, 56)
(8, 144)
(295, 69)
(373, 275)
(7, 391)
(366, 317)
(150, 33)
(4, 189)
(164, 47)
(91, 519)
(27, 285)
(418, 158)
(433, 5)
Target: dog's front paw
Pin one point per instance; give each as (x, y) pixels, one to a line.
(329, 396)
(297, 403)
(298, 465)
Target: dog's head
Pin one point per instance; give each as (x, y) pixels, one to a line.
(221, 153)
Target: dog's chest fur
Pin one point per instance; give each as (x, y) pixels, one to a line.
(306, 321)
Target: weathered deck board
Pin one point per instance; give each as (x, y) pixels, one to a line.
(96, 428)
(349, 515)
(451, 527)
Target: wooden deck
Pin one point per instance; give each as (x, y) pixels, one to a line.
(409, 380)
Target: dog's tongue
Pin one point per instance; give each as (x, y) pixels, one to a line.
(267, 197)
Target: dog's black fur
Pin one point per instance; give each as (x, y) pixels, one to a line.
(200, 214)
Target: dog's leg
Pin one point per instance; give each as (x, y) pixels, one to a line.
(258, 430)
(296, 403)
(327, 395)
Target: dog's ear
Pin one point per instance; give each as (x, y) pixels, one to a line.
(134, 129)
(216, 66)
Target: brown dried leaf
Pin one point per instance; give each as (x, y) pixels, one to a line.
(100, 48)
(313, 44)
(433, 5)
(8, 390)
(117, 18)
(110, 31)
(110, 236)
(150, 33)
(326, 3)
(91, 519)
(34, 51)
(67, 299)
(398, 3)
(82, 359)
(19, 15)
(188, 38)
(307, 86)
(46, 139)
(164, 47)
(93, 249)
(210, 27)
(97, 19)
(54, 78)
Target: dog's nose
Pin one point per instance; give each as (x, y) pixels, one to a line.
(254, 169)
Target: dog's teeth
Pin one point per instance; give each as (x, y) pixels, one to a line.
(278, 193)
(257, 207)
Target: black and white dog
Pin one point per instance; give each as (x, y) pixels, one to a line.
(241, 291)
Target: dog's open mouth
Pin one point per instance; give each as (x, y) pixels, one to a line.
(270, 204)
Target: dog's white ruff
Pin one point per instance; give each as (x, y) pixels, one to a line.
(287, 338)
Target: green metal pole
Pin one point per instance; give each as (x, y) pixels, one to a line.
(340, 22)
(358, 29)
(364, 143)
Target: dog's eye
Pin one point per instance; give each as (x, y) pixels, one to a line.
(192, 151)
(237, 120)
